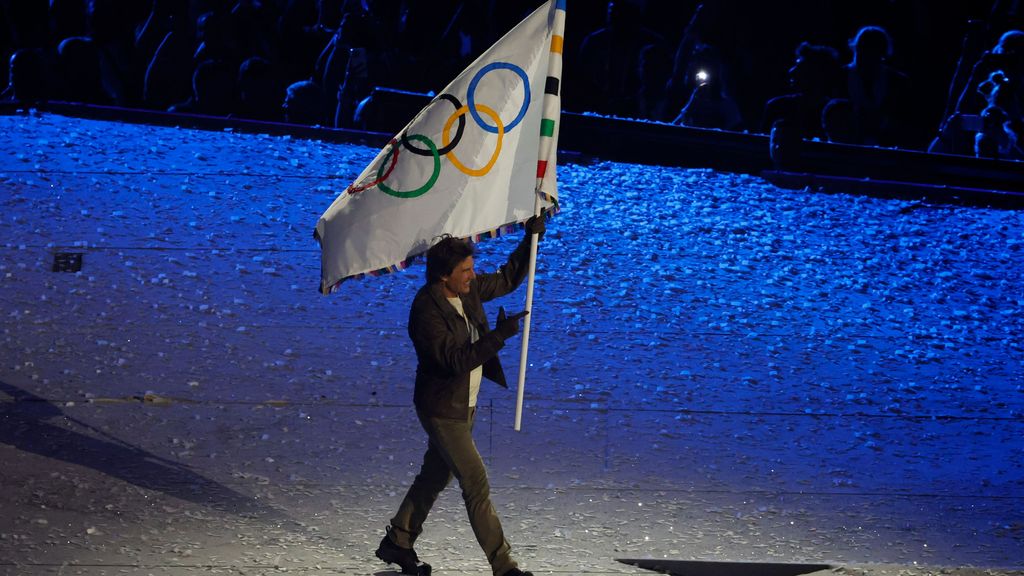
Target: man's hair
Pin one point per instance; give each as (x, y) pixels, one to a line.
(443, 257)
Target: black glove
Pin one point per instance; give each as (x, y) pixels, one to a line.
(508, 327)
(535, 225)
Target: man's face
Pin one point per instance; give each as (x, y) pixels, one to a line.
(458, 281)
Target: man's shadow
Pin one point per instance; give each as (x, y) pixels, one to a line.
(30, 423)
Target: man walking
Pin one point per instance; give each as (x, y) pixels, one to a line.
(455, 350)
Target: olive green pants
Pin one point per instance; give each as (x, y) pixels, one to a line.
(452, 452)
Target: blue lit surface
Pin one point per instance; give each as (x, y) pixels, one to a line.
(832, 376)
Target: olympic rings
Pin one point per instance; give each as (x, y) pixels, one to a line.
(471, 100)
(448, 147)
(460, 114)
(386, 168)
(422, 189)
(353, 189)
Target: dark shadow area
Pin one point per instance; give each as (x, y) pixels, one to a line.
(33, 424)
(882, 73)
(695, 568)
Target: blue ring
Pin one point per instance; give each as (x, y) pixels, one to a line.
(471, 101)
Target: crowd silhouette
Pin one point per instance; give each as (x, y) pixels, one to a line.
(876, 73)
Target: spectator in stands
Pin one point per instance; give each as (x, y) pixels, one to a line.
(304, 103)
(369, 63)
(428, 45)
(654, 66)
(1002, 120)
(343, 87)
(1008, 56)
(112, 30)
(252, 27)
(989, 86)
(300, 40)
(813, 81)
(697, 53)
(997, 138)
(999, 90)
(876, 90)
(837, 121)
(609, 58)
(710, 105)
(68, 18)
(27, 82)
(165, 16)
(215, 40)
(259, 90)
(213, 91)
(784, 143)
(168, 75)
(971, 49)
(79, 64)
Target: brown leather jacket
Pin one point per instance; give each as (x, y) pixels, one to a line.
(439, 334)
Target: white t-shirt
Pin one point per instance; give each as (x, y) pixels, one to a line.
(477, 374)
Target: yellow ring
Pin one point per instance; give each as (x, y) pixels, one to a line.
(445, 139)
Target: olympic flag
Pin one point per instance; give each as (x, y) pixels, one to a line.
(475, 162)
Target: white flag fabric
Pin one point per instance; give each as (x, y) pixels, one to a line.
(475, 162)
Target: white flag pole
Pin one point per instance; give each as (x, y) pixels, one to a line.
(545, 175)
(521, 386)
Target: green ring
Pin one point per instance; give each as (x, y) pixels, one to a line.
(422, 189)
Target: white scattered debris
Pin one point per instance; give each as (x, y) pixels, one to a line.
(773, 374)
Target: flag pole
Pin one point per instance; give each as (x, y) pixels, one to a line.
(520, 386)
(546, 185)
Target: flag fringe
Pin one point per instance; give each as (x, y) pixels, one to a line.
(503, 230)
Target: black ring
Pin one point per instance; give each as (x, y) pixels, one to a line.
(455, 141)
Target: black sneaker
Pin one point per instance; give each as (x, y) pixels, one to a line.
(517, 572)
(406, 558)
